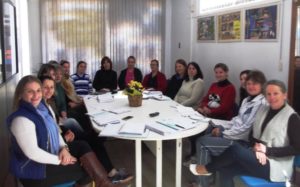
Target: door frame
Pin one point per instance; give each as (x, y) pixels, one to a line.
(295, 4)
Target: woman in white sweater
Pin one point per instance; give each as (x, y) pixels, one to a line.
(192, 88)
(39, 155)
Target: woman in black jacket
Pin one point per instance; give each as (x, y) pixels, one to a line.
(105, 78)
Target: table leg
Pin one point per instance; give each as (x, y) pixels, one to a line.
(158, 163)
(178, 161)
(138, 162)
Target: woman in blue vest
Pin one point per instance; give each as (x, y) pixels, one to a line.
(274, 142)
(39, 155)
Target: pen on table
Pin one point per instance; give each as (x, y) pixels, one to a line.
(168, 126)
(96, 122)
(179, 126)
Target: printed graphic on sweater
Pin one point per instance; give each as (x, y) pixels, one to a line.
(214, 100)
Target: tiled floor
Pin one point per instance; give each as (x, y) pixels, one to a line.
(122, 153)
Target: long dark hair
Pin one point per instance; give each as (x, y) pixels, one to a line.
(106, 58)
(45, 69)
(199, 72)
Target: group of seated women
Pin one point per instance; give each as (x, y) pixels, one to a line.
(261, 140)
(106, 78)
(48, 146)
(53, 142)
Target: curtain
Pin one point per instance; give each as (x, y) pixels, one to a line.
(87, 30)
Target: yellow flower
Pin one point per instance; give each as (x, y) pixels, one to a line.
(134, 88)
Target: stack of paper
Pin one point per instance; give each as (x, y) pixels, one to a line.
(199, 117)
(177, 123)
(147, 92)
(105, 98)
(160, 128)
(157, 95)
(111, 130)
(185, 111)
(132, 129)
(105, 118)
(160, 97)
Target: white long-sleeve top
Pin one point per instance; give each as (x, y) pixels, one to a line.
(190, 92)
(23, 130)
(240, 126)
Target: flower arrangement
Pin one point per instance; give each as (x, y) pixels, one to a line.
(134, 88)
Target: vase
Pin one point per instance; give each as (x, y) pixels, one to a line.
(135, 101)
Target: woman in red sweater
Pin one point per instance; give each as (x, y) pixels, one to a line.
(155, 80)
(220, 99)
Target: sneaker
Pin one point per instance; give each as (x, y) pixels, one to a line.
(193, 169)
(121, 177)
(189, 161)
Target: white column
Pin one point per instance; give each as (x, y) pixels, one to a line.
(178, 161)
(138, 162)
(159, 163)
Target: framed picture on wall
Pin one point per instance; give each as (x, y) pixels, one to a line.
(229, 27)
(10, 40)
(206, 29)
(261, 23)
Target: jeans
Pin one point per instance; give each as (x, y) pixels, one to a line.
(73, 125)
(238, 160)
(208, 146)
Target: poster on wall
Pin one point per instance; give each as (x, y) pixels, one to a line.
(10, 46)
(261, 23)
(206, 29)
(229, 27)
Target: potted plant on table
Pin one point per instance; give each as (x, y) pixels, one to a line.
(134, 90)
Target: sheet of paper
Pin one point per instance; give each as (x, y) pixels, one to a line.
(119, 110)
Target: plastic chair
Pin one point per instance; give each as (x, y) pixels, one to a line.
(67, 184)
(259, 182)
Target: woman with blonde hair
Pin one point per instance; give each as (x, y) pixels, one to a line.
(39, 155)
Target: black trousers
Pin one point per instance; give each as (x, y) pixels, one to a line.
(97, 145)
(57, 174)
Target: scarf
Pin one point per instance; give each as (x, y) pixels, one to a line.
(51, 126)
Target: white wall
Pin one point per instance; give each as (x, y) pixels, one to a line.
(264, 56)
(34, 35)
(181, 32)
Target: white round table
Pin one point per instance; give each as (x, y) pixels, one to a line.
(140, 114)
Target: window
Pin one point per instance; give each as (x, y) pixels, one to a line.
(77, 30)
(209, 6)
